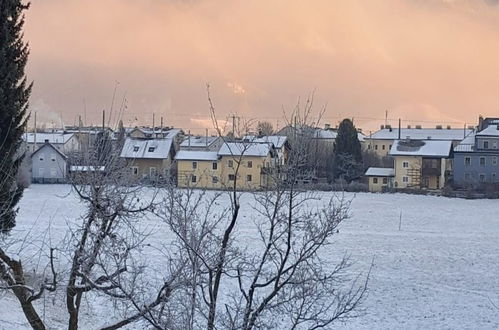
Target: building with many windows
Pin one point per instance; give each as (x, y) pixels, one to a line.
(476, 158)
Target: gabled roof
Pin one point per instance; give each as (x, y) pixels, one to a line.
(245, 148)
(54, 138)
(146, 149)
(420, 134)
(491, 130)
(277, 140)
(197, 155)
(199, 141)
(49, 145)
(380, 171)
(467, 144)
(428, 148)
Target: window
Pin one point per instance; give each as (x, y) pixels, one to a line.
(482, 177)
(375, 180)
(194, 165)
(390, 146)
(232, 177)
(152, 171)
(467, 161)
(494, 160)
(385, 180)
(135, 149)
(194, 179)
(214, 166)
(42, 157)
(214, 179)
(405, 179)
(376, 147)
(230, 163)
(482, 161)
(493, 177)
(249, 178)
(383, 147)
(405, 164)
(250, 164)
(486, 144)
(368, 146)
(135, 170)
(467, 176)
(52, 157)
(151, 149)
(494, 145)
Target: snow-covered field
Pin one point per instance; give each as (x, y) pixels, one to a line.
(440, 271)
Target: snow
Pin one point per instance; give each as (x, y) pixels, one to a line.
(428, 148)
(84, 168)
(380, 171)
(196, 155)
(420, 134)
(141, 148)
(199, 141)
(438, 272)
(277, 140)
(51, 137)
(491, 130)
(248, 149)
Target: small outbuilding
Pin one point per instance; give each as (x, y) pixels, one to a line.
(380, 178)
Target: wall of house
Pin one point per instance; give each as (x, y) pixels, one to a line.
(257, 179)
(412, 172)
(204, 174)
(379, 147)
(162, 168)
(474, 172)
(48, 166)
(380, 184)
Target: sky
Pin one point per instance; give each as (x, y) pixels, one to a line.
(428, 62)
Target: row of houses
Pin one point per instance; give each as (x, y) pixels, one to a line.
(431, 159)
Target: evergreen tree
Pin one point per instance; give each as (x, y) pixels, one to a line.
(14, 95)
(347, 152)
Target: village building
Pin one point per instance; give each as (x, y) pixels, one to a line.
(476, 157)
(380, 178)
(49, 164)
(198, 168)
(421, 164)
(381, 142)
(206, 143)
(280, 143)
(148, 159)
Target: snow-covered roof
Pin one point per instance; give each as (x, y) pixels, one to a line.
(330, 134)
(86, 168)
(491, 130)
(147, 149)
(380, 171)
(420, 134)
(48, 145)
(171, 133)
(196, 155)
(277, 140)
(428, 148)
(244, 148)
(467, 144)
(199, 141)
(54, 138)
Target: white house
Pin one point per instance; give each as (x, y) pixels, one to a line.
(49, 165)
(63, 142)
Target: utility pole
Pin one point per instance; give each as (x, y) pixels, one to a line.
(34, 147)
(400, 124)
(153, 122)
(234, 126)
(386, 117)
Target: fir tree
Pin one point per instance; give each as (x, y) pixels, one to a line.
(14, 95)
(347, 152)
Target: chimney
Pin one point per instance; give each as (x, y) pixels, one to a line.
(382, 126)
(429, 137)
(418, 127)
(409, 126)
(480, 123)
(46, 141)
(327, 126)
(439, 127)
(449, 127)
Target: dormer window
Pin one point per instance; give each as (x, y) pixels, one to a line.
(135, 149)
(151, 149)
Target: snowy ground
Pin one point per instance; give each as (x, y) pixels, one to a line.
(440, 271)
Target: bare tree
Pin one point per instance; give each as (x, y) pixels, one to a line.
(264, 128)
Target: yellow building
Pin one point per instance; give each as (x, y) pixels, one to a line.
(148, 159)
(198, 168)
(380, 178)
(421, 164)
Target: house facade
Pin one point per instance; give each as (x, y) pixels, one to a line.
(63, 142)
(476, 158)
(148, 159)
(49, 165)
(380, 178)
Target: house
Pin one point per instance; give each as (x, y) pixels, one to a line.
(255, 163)
(381, 142)
(421, 164)
(198, 168)
(63, 142)
(148, 159)
(380, 178)
(476, 157)
(49, 164)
